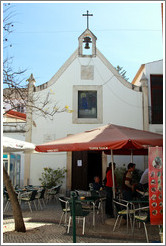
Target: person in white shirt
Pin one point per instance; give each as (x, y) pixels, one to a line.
(143, 183)
(144, 177)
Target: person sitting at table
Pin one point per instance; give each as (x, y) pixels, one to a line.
(127, 183)
(143, 183)
(97, 185)
(144, 179)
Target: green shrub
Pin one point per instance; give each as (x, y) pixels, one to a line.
(119, 172)
(51, 177)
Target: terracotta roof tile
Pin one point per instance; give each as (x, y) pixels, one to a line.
(16, 114)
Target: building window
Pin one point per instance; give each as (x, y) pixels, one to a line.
(87, 104)
(12, 165)
(156, 99)
(20, 108)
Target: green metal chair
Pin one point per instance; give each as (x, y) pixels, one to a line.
(8, 203)
(53, 193)
(142, 215)
(79, 214)
(64, 201)
(93, 206)
(123, 208)
(40, 197)
(29, 197)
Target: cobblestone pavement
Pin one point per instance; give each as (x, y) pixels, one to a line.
(49, 233)
(42, 226)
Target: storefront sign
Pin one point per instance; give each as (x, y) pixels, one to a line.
(156, 185)
(79, 163)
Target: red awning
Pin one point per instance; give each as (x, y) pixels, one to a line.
(128, 152)
(104, 138)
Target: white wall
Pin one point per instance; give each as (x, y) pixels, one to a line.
(42, 160)
(121, 105)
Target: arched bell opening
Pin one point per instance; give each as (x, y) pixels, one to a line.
(87, 45)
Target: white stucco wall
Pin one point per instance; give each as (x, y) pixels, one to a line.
(121, 105)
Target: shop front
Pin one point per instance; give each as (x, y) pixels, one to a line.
(12, 163)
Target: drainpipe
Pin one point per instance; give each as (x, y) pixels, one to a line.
(144, 83)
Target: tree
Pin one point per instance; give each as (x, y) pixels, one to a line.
(122, 72)
(16, 90)
(9, 82)
(14, 84)
(17, 214)
(8, 24)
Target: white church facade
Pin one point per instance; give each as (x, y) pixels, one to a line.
(97, 95)
(88, 92)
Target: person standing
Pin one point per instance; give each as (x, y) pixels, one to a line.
(109, 191)
(127, 185)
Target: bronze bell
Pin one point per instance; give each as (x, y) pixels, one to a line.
(87, 46)
(87, 40)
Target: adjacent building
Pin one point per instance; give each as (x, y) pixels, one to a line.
(150, 76)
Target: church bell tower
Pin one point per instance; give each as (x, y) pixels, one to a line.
(87, 41)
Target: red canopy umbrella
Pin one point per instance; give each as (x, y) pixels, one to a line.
(104, 138)
(108, 137)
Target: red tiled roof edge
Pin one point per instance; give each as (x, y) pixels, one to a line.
(16, 114)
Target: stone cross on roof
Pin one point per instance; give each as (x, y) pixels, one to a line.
(87, 18)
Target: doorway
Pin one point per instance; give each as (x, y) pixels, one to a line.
(85, 166)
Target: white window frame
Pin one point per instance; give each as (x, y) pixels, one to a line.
(99, 118)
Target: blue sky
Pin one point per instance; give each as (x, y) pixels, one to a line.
(46, 34)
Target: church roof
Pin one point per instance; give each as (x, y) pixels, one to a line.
(72, 58)
(140, 70)
(87, 31)
(138, 73)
